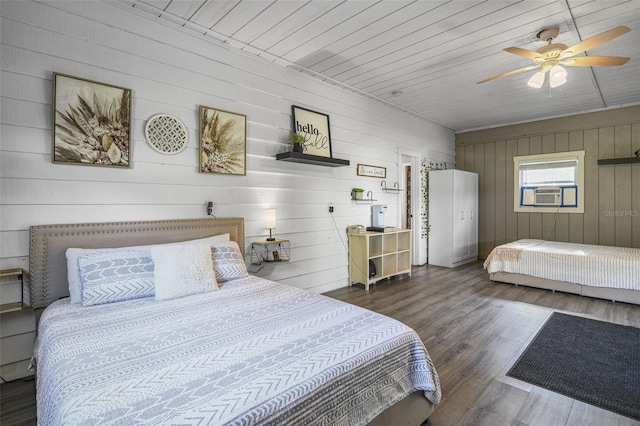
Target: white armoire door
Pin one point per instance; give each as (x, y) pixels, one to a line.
(453, 216)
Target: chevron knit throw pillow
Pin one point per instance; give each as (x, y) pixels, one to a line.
(73, 274)
(228, 262)
(115, 276)
(182, 269)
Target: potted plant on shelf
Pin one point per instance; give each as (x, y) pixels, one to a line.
(298, 142)
(357, 193)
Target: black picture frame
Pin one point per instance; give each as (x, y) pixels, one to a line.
(314, 126)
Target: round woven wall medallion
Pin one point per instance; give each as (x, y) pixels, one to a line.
(166, 134)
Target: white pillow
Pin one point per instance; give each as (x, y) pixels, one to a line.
(228, 262)
(73, 274)
(182, 269)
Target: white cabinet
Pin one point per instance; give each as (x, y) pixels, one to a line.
(389, 252)
(453, 216)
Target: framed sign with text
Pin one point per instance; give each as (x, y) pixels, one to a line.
(371, 171)
(314, 127)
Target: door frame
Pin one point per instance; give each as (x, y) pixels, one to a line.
(419, 244)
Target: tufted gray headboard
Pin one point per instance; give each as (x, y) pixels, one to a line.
(48, 244)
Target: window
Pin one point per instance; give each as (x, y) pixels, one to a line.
(549, 182)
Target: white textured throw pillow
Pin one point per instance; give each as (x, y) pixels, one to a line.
(182, 269)
(228, 262)
(73, 274)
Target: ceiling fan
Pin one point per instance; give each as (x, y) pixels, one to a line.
(553, 55)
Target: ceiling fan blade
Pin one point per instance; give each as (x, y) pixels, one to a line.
(507, 74)
(595, 61)
(594, 41)
(529, 54)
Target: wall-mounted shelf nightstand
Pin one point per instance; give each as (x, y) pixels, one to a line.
(11, 290)
(269, 252)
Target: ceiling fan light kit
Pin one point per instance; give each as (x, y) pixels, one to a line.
(552, 56)
(557, 76)
(537, 80)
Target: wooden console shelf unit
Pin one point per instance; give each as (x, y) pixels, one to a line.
(390, 252)
(297, 157)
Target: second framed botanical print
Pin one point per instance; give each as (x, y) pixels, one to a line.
(90, 122)
(223, 142)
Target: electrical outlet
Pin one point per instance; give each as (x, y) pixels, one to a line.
(330, 208)
(210, 208)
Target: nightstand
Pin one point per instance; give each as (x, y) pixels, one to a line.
(269, 251)
(10, 290)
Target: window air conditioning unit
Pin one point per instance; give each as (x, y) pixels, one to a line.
(563, 196)
(547, 197)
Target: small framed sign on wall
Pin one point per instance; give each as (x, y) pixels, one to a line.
(371, 171)
(314, 127)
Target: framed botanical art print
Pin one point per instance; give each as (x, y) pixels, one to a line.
(223, 142)
(314, 127)
(91, 123)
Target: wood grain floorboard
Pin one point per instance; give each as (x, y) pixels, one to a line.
(18, 403)
(474, 331)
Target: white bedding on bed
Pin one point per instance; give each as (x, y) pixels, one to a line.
(590, 265)
(253, 352)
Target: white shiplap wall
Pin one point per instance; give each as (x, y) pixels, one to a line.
(172, 71)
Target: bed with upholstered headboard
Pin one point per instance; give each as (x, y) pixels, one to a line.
(159, 322)
(48, 245)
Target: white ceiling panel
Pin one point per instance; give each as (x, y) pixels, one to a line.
(240, 16)
(297, 45)
(425, 57)
(182, 9)
(290, 33)
(274, 16)
(211, 12)
(363, 39)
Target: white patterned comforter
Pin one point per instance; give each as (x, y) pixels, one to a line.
(590, 265)
(253, 352)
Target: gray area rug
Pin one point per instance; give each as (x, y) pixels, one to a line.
(592, 361)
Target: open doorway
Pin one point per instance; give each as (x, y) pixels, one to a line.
(410, 205)
(407, 200)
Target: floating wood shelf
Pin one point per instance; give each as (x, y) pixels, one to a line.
(619, 161)
(297, 157)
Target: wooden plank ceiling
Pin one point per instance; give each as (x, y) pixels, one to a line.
(425, 57)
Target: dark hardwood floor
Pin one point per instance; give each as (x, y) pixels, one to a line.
(474, 330)
(18, 403)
